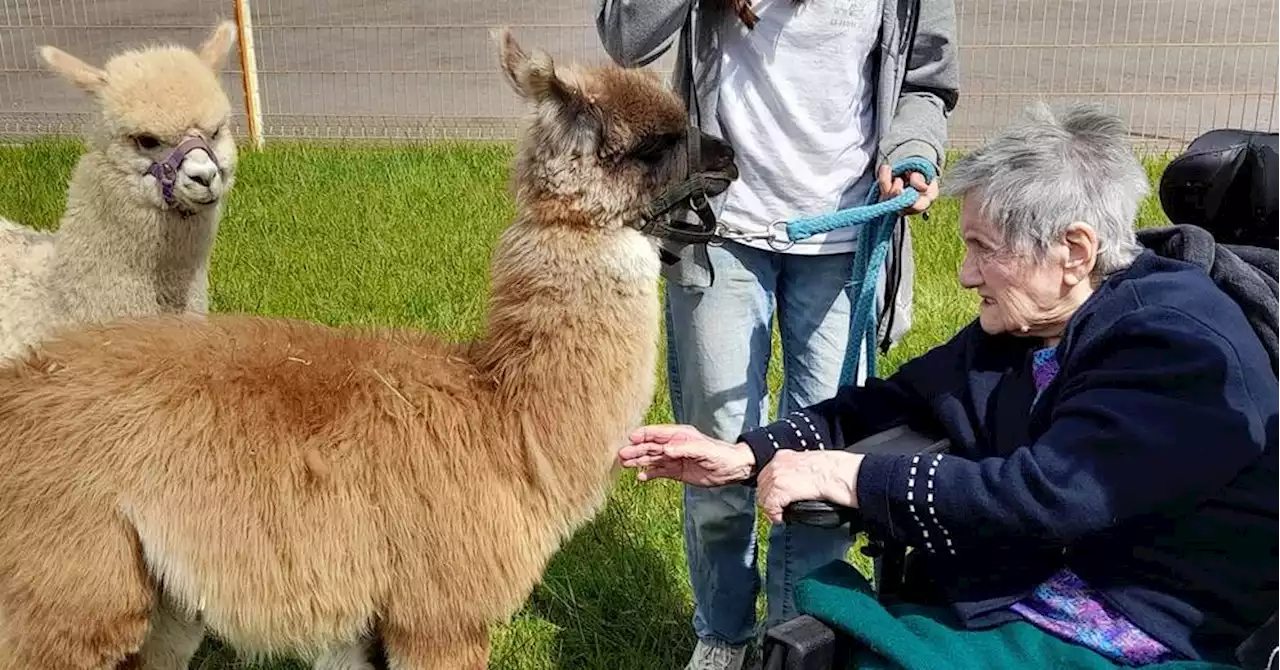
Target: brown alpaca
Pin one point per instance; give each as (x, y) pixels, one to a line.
(295, 487)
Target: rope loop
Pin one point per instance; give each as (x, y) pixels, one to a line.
(877, 220)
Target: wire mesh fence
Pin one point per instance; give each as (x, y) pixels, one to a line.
(414, 69)
(1173, 68)
(33, 101)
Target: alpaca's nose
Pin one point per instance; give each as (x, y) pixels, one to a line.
(199, 168)
(717, 155)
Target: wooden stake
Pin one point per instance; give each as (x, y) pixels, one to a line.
(249, 72)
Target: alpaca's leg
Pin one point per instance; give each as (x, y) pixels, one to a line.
(76, 598)
(172, 641)
(437, 650)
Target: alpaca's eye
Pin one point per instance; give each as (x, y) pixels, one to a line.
(146, 142)
(653, 149)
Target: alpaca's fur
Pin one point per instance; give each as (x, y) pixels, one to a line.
(120, 249)
(297, 486)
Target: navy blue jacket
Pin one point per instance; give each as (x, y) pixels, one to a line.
(1148, 466)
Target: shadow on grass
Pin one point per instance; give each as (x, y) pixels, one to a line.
(613, 599)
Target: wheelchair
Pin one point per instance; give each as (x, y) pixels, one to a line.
(1224, 182)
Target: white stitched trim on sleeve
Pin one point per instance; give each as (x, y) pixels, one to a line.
(816, 435)
(933, 512)
(911, 501)
(814, 429)
(803, 443)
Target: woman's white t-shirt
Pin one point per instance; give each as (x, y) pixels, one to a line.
(796, 102)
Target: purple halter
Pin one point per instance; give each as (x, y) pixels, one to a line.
(166, 172)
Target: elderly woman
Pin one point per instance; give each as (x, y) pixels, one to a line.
(1113, 478)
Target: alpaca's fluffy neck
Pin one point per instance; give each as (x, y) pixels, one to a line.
(571, 348)
(116, 254)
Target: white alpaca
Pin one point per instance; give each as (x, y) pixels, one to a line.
(143, 203)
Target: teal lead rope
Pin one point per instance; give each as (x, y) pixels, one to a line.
(877, 220)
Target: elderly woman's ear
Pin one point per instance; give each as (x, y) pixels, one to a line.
(1081, 242)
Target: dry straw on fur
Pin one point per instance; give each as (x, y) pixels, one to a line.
(295, 487)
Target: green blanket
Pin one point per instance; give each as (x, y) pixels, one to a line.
(912, 637)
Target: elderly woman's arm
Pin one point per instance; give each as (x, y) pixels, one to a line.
(685, 454)
(1157, 414)
(857, 412)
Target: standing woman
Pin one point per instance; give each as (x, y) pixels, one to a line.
(818, 98)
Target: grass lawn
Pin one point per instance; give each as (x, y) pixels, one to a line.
(382, 236)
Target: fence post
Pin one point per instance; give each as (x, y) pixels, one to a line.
(249, 71)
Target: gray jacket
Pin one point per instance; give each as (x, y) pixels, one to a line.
(918, 86)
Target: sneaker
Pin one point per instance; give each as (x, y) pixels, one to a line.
(708, 656)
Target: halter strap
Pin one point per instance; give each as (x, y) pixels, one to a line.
(166, 171)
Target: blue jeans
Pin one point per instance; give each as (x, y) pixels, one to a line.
(718, 340)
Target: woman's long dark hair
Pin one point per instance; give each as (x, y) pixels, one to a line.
(743, 9)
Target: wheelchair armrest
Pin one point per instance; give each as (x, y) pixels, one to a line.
(821, 514)
(1256, 652)
(901, 440)
(803, 643)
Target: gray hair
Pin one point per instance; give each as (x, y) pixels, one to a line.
(1044, 171)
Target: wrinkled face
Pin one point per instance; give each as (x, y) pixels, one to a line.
(603, 141)
(151, 102)
(1019, 294)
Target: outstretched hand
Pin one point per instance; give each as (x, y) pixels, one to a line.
(684, 454)
(891, 187)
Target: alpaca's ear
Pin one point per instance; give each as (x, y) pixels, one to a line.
(214, 50)
(73, 69)
(533, 76)
(513, 61)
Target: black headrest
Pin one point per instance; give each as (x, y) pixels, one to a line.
(1226, 183)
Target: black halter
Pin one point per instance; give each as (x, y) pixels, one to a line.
(682, 214)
